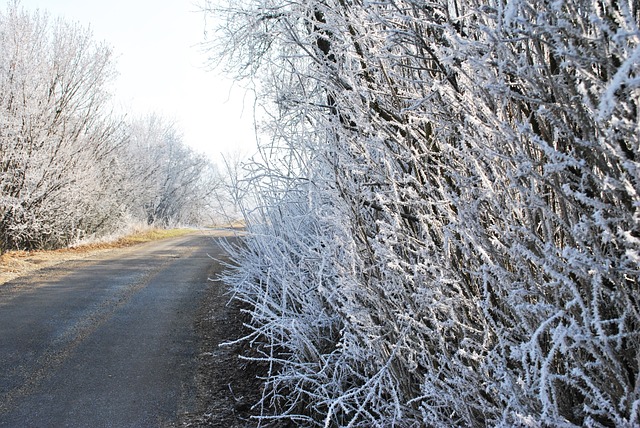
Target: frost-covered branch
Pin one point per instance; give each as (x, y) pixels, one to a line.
(448, 229)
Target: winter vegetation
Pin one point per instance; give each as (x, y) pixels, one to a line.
(447, 230)
(70, 169)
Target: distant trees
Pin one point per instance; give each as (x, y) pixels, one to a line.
(448, 230)
(174, 184)
(66, 163)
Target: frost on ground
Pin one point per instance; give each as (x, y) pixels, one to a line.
(447, 230)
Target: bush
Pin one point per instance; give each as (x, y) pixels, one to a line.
(449, 230)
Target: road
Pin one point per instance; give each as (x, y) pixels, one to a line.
(107, 341)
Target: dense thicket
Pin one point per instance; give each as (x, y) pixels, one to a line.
(68, 168)
(449, 228)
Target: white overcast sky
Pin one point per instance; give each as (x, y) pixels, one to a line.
(161, 68)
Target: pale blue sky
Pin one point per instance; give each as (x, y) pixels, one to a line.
(161, 67)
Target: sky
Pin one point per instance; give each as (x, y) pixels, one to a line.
(162, 68)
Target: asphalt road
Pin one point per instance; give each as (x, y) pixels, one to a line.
(105, 342)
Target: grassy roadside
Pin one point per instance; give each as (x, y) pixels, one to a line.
(136, 238)
(14, 264)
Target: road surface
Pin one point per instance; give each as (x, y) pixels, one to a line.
(107, 341)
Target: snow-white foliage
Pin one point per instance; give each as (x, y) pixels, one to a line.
(68, 169)
(174, 184)
(448, 231)
(54, 134)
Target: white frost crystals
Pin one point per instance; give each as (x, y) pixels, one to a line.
(53, 130)
(449, 219)
(69, 169)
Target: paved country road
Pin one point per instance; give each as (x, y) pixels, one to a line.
(107, 341)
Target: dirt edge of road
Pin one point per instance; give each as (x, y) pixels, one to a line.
(228, 386)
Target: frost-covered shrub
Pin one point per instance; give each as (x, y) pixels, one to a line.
(68, 169)
(170, 183)
(455, 236)
(56, 138)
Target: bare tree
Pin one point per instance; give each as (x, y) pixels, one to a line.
(68, 168)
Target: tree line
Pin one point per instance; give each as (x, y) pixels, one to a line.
(69, 167)
(447, 230)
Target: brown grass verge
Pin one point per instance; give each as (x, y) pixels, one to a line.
(14, 264)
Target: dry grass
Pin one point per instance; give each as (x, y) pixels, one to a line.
(236, 224)
(17, 263)
(149, 235)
